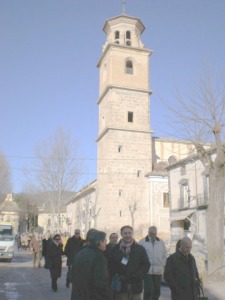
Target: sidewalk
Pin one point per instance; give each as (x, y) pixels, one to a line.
(215, 290)
(214, 286)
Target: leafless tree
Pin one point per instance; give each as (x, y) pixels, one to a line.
(5, 178)
(83, 213)
(87, 211)
(200, 117)
(58, 171)
(133, 205)
(95, 207)
(132, 209)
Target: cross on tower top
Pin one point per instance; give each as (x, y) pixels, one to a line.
(123, 7)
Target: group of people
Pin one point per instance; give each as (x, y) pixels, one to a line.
(38, 245)
(123, 270)
(23, 241)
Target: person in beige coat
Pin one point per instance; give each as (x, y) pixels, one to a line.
(35, 246)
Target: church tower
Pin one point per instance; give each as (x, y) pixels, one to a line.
(124, 139)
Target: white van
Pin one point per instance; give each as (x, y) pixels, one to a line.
(7, 242)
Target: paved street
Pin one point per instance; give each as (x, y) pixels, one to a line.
(19, 280)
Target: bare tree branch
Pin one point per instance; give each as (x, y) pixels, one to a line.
(5, 178)
(59, 168)
(201, 117)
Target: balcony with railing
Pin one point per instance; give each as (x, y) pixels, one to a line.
(199, 201)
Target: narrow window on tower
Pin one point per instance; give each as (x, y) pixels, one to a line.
(130, 116)
(138, 173)
(120, 148)
(129, 67)
(117, 35)
(128, 35)
(120, 193)
(120, 213)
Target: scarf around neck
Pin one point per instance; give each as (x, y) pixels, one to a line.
(126, 247)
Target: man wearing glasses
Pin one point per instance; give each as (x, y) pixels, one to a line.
(72, 247)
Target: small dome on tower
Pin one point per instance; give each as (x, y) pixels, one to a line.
(9, 205)
(124, 30)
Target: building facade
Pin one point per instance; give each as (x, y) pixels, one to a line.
(131, 187)
(189, 196)
(10, 213)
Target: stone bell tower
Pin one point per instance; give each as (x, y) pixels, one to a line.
(124, 137)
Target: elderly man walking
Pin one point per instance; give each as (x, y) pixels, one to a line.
(181, 273)
(157, 255)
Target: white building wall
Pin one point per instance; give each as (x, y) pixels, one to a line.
(82, 212)
(163, 148)
(189, 172)
(158, 210)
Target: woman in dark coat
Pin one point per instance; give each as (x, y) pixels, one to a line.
(90, 279)
(130, 261)
(45, 242)
(54, 258)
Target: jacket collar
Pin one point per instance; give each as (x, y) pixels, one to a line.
(147, 239)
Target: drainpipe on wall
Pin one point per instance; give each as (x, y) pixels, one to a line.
(151, 214)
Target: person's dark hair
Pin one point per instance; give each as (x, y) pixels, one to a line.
(90, 233)
(126, 226)
(178, 245)
(112, 234)
(56, 236)
(96, 237)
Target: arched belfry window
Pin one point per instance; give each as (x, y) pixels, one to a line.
(128, 35)
(117, 35)
(129, 67)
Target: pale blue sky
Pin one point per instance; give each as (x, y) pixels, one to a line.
(48, 75)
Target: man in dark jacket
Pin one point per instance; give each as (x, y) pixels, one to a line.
(113, 238)
(130, 261)
(89, 271)
(73, 245)
(54, 256)
(181, 273)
